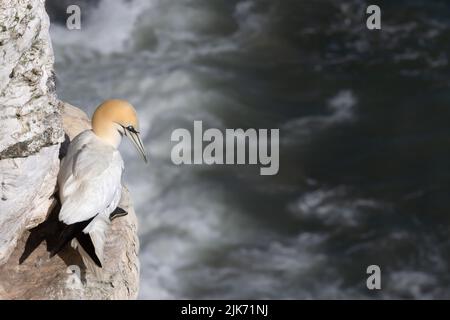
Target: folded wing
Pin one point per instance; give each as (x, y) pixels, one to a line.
(89, 179)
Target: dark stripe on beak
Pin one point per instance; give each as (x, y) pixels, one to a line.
(134, 137)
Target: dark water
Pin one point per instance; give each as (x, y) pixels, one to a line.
(364, 141)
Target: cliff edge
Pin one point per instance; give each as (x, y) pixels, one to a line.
(34, 130)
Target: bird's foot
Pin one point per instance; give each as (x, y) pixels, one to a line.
(118, 212)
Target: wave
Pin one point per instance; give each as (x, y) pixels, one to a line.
(204, 231)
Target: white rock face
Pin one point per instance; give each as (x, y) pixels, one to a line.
(26, 189)
(29, 114)
(30, 120)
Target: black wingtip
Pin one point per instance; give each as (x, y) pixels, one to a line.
(68, 233)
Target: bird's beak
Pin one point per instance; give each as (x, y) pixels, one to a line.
(136, 139)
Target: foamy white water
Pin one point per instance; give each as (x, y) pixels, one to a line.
(224, 231)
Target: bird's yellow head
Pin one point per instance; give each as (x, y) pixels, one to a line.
(114, 119)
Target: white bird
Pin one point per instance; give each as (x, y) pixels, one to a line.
(89, 179)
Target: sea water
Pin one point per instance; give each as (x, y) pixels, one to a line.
(364, 150)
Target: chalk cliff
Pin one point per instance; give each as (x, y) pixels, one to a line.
(33, 127)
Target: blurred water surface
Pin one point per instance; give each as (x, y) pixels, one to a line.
(364, 151)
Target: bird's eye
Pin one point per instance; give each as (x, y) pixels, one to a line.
(131, 129)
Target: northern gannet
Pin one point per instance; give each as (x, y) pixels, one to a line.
(89, 179)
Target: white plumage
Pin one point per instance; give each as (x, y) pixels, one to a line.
(90, 180)
(90, 185)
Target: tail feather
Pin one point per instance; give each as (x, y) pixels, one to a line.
(86, 243)
(88, 261)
